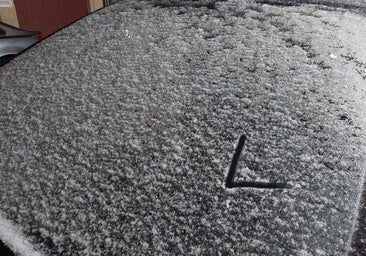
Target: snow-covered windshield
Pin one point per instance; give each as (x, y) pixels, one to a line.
(118, 137)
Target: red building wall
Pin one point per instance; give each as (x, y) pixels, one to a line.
(49, 16)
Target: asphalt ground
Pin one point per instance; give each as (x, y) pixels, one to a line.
(118, 132)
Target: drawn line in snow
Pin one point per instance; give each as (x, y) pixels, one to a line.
(230, 183)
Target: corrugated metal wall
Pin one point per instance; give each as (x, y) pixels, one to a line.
(49, 16)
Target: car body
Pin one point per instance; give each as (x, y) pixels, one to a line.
(14, 40)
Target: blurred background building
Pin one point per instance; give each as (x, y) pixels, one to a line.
(46, 16)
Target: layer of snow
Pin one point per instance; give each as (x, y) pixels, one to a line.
(14, 239)
(117, 132)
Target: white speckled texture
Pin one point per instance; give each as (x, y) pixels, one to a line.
(118, 131)
(355, 4)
